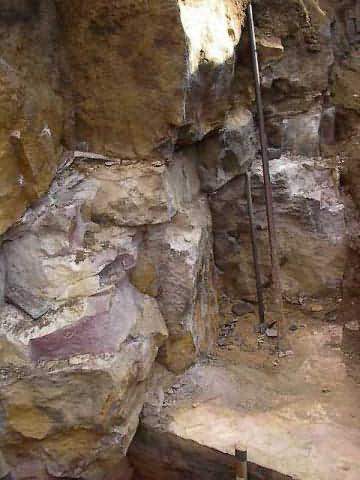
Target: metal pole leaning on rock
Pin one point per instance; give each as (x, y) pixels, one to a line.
(275, 265)
(255, 252)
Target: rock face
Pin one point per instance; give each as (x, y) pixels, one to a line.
(120, 78)
(31, 121)
(310, 221)
(113, 261)
(83, 337)
(347, 106)
(94, 273)
(162, 67)
(175, 265)
(72, 394)
(125, 130)
(299, 48)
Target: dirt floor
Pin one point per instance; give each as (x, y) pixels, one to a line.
(298, 414)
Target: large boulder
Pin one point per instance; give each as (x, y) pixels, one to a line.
(139, 70)
(78, 339)
(73, 385)
(97, 272)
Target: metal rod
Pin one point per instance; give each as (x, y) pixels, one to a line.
(255, 252)
(275, 265)
(241, 466)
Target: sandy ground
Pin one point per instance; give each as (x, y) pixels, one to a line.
(299, 414)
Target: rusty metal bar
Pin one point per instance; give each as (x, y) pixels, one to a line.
(255, 252)
(275, 265)
(241, 465)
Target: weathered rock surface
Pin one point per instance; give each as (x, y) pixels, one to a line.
(74, 379)
(307, 97)
(59, 83)
(57, 252)
(31, 121)
(345, 96)
(74, 383)
(310, 222)
(96, 273)
(163, 67)
(176, 266)
(228, 152)
(112, 266)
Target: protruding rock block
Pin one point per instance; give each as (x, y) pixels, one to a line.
(176, 260)
(166, 69)
(227, 153)
(62, 246)
(77, 389)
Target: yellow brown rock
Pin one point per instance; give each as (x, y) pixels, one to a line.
(157, 52)
(31, 118)
(125, 129)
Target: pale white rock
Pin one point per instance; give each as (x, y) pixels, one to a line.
(133, 195)
(310, 223)
(212, 28)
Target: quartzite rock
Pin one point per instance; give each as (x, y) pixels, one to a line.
(310, 223)
(75, 382)
(163, 68)
(176, 266)
(31, 118)
(68, 263)
(122, 244)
